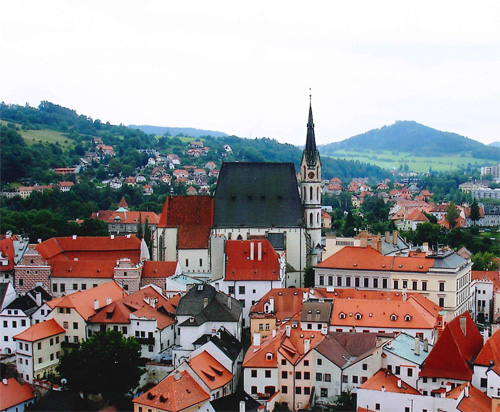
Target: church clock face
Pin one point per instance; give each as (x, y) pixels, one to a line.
(311, 175)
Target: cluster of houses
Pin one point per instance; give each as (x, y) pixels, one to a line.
(377, 322)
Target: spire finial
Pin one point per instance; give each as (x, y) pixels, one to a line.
(310, 95)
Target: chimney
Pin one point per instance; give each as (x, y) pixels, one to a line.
(4, 381)
(387, 237)
(274, 333)
(229, 302)
(74, 237)
(205, 302)
(466, 390)
(395, 237)
(304, 296)
(287, 330)
(112, 236)
(251, 250)
(256, 339)
(425, 247)
(426, 345)
(177, 375)
(399, 383)
(307, 345)
(271, 304)
(485, 335)
(463, 323)
(38, 299)
(259, 251)
(96, 304)
(448, 386)
(242, 406)
(108, 301)
(417, 346)
(382, 388)
(363, 238)
(324, 330)
(405, 295)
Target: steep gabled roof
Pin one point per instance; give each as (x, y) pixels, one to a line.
(13, 393)
(385, 378)
(490, 354)
(455, 351)
(103, 269)
(174, 393)
(476, 401)
(245, 262)
(158, 269)
(40, 330)
(7, 250)
(210, 371)
(255, 357)
(257, 195)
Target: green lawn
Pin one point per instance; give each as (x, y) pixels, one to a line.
(495, 238)
(391, 160)
(46, 135)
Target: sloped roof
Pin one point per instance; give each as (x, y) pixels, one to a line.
(243, 263)
(231, 403)
(477, 401)
(173, 394)
(210, 371)
(453, 353)
(257, 195)
(158, 269)
(316, 312)
(27, 303)
(83, 301)
(385, 378)
(293, 347)
(40, 330)
(416, 216)
(7, 250)
(255, 357)
(492, 276)
(13, 393)
(403, 345)
(490, 354)
(103, 269)
(132, 218)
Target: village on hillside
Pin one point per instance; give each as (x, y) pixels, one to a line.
(235, 300)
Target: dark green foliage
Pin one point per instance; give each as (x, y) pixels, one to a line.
(309, 277)
(452, 214)
(484, 261)
(345, 402)
(474, 211)
(106, 363)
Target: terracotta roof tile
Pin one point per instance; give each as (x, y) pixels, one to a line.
(8, 251)
(103, 269)
(477, 401)
(13, 393)
(40, 330)
(492, 276)
(210, 370)
(384, 378)
(173, 394)
(243, 263)
(490, 353)
(158, 269)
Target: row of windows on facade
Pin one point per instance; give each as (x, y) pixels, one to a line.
(52, 356)
(376, 283)
(62, 286)
(241, 290)
(299, 390)
(39, 344)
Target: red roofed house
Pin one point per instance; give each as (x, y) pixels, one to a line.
(157, 272)
(487, 367)
(65, 186)
(177, 392)
(252, 268)
(183, 233)
(39, 350)
(443, 278)
(452, 356)
(145, 314)
(411, 220)
(485, 286)
(15, 397)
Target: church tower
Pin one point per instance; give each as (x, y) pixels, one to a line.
(310, 176)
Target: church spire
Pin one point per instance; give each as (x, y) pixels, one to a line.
(310, 151)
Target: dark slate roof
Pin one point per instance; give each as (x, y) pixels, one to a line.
(450, 260)
(3, 291)
(277, 240)
(27, 303)
(231, 403)
(316, 312)
(45, 295)
(310, 152)
(227, 343)
(257, 195)
(217, 309)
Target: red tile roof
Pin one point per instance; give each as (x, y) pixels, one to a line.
(477, 401)
(173, 394)
(193, 215)
(453, 353)
(13, 393)
(158, 269)
(40, 330)
(417, 216)
(102, 269)
(133, 218)
(492, 276)
(210, 371)
(8, 251)
(490, 353)
(384, 378)
(243, 263)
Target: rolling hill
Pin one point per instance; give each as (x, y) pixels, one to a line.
(174, 131)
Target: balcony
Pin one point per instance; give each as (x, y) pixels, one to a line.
(146, 341)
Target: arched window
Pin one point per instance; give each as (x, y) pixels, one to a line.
(342, 315)
(239, 237)
(311, 218)
(311, 193)
(161, 250)
(317, 195)
(407, 318)
(358, 316)
(394, 317)
(317, 219)
(304, 173)
(304, 194)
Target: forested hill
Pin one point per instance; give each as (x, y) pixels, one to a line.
(176, 131)
(36, 140)
(414, 138)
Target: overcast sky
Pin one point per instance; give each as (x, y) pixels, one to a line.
(245, 68)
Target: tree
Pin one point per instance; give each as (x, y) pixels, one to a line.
(309, 277)
(345, 402)
(147, 234)
(106, 363)
(484, 261)
(452, 214)
(474, 211)
(140, 232)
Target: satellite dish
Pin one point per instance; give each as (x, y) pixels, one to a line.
(64, 381)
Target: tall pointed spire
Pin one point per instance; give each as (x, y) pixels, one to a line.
(310, 151)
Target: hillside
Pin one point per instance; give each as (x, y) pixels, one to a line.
(176, 131)
(414, 139)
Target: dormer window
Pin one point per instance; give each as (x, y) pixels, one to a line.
(342, 315)
(269, 356)
(266, 308)
(394, 317)
(407, 318)
(358, 316)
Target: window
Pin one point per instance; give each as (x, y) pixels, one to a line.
(339, 281)
(319, 377)
(63, 287)
(424, 285)
(21, 282)
(365, 366)
(356, 282)
(5, 324)
(68, 310)
(230, 290)
(75, 286)
(405, 284)
(14, 324)
(398, 370)
(298, 375)
(441, 286)
(319, 362)
(54, 287)
(267, 373)
(328, 377)
(65, 325)
(241, 290)
(6, 338)
(242, 305)
(23, 322)
(484, 382)
(84, 285)
(284, 375)
(40, 360)
(307, 390)
(306, 363)
(283, 361)
(75, 339)
(75, 325)
(396, 284)
(441, 302)
(57, 339)
(377, 406)
(414, 285)
(384, 283)
(261, 326)
(407, 409)
(39, 345)
(187, 263)
(365, 281)
(284, 389)
(267, 326)
(253, 390)
(410, 372)
(254, 373)
(307, 375)
(324, 393)
(51, 341)
(344, 378)
(354, 379)
(20, 346)
(298, 389)
(51, 356)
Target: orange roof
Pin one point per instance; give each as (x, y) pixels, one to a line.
(490, 353)
(173, 394)
(66, 184)
(385, 378)
(8, 251)
(40, 330)
(453, 353)
(417, 216)
(366, 258)
(243, 263)
(255, 357)
(13, 393)
(158, 269)
(83, 269)
(83, 301)
(487, 275)
(210, 370)
(477, 401)
(132, 218)
(293, 348)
